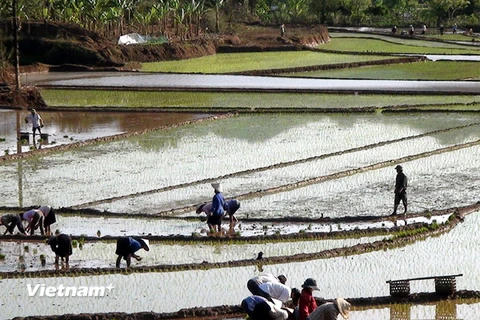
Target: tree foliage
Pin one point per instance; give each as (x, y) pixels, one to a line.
(189, 18)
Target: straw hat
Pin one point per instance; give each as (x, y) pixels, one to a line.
(343, 307)
(217, 186)
(310, 283)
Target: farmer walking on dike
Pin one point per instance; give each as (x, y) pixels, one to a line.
(49, 219)
(126, 248)
(331, 310)
(400, 190)
(254, 283)
(259, 308)
(61, 244)
(37, 122)
(10, 221)
(34, 217)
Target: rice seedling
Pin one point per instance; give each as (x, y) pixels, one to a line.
(379, 46)
(236, 62)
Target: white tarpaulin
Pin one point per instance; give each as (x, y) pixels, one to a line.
(131, 38)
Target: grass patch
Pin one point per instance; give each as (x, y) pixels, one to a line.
(382, 46)
(428, 70)
(236, 62)
(237, 101)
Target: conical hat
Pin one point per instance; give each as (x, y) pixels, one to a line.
(217, 186)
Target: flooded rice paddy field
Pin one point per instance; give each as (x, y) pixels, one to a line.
(191, 153)
(134, 176)
(102, 254)
(66, 127)
(333, 172)
(348, 276)
(107, 226)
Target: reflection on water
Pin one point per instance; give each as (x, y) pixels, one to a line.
(71, 126)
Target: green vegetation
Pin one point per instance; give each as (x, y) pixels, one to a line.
(380, 46)
(416, 42)
(454, 37)
(239, 101)
(412, 232)
(238, 62)
(429, 70)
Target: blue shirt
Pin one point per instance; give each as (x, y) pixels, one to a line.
(134, 245)
(231, 205)
(217, 204)
(249, 303)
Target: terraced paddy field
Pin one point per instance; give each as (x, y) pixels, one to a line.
(316, 194)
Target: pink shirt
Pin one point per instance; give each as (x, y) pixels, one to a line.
(28, 216)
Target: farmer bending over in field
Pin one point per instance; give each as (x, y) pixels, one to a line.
(10, 221)
(62, 246)
(50, 218)
(34, 218)
(259, 308)
(126, 248)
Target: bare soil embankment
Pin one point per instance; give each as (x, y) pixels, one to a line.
(61, 47)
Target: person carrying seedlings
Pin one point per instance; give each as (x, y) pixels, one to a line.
(400, 190)
(49, 218)
(34, 217)
(36, 120)
(10, 221)
(307, 303)
(61, 244)
(331, 310)
(217, 213)
(126, 248)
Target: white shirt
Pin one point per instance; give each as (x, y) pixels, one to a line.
(276, 290)
(264, 278)
(35, 119)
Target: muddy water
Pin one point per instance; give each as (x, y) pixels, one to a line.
(65, 127)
